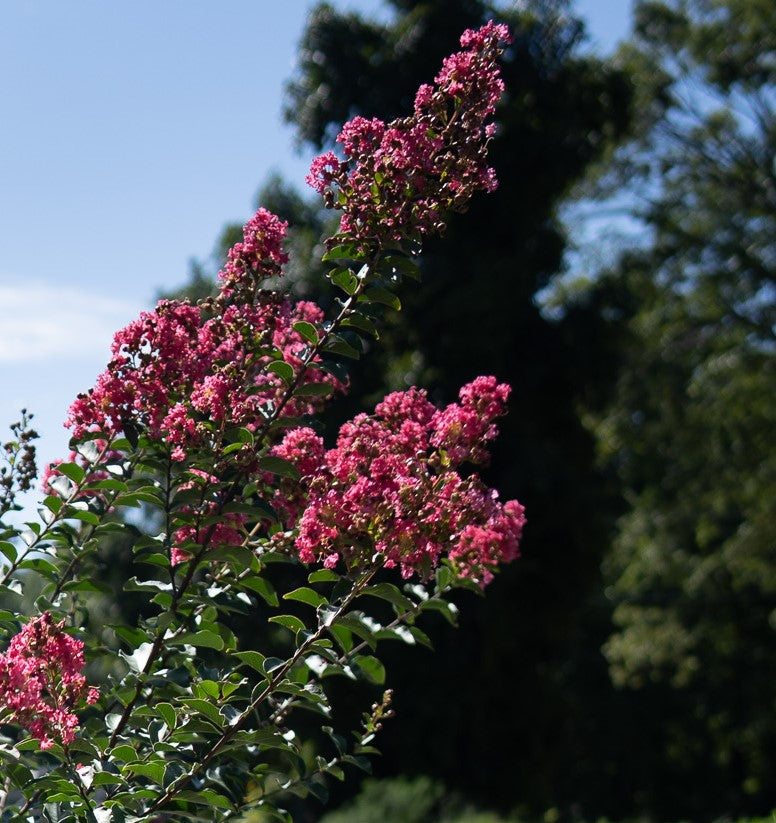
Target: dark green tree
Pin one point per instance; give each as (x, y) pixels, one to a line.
(691, 429)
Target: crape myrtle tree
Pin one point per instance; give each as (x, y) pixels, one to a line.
(477, 304)
(205, 418)
(691, 429)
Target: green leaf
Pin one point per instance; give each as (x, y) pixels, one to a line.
(206, 639)
(377, 294)
(344, 252)
(167, 713)
(281, 369)
(372, 668)
(345, 279)
(261, 587)
(154, 770)
(290, 621)
(205, 797)
(421, 637)
(306, 595)
(72, 471)
(338, 345)
(389, 592)
(394, 264)
(279, 466)
(322, 576)
(447, 610)
(9, 550)
(356, 320)
(307, 330)
(206, 708)
(84, 516)
(443, 577)
(343, 636)
(53, 503)
(107, 779)
(314, 390)
(253, 659)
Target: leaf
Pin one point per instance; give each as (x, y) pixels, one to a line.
(279, 466)
(167, 713)
(262, 587)
(84, 516)
(421, 637)
(253, 659)
(123, 752)
(447, 610)
(153, 770)
(344, 252)
(389, 592)
(307, 330)
(9, 550)
(377, 294)
(138, 660)
(306, 595)
(371, 667)
(345, 279)
(206, 708)
(72, 471)
(205, 797)
(338, 345)
(289, 621)
(322, 576)
(314, 390)
(356, 320)
(281, 369)
(394, 264)
(206, 639)
(443, 577)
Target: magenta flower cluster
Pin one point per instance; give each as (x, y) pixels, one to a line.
(184, 378)
(259, 257)
(41, 681)
(400, 178)
(390, 488)
(187, 375)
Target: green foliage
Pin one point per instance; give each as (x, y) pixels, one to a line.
(407, 800)
(691, 428)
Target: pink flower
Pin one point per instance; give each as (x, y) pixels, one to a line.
(41, 681)
(258, 257)
(401, 178)
(386, 488)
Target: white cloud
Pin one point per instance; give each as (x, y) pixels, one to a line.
(39, 322)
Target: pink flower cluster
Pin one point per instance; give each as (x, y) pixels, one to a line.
(182, 378)
(41, 681)
(402, 177)
(390, 487)
(259, 257)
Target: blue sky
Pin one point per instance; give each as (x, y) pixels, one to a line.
(130, 133)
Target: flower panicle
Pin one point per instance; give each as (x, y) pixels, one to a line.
(42, 681)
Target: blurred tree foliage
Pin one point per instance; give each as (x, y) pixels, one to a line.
(691, 428)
